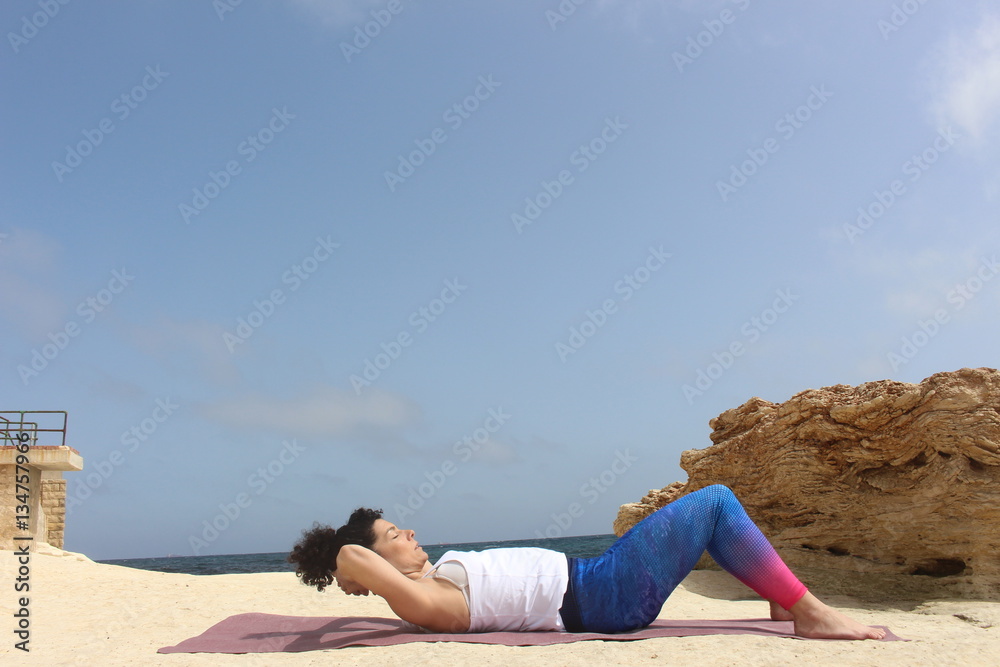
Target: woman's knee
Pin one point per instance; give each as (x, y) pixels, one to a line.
(720, 496)
(713, 494)
(718, 489)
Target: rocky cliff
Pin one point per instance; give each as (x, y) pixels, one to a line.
(885, 477)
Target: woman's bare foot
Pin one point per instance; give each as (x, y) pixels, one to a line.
(815, 620)
(778, 613)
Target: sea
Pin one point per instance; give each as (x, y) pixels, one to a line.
(586, 546)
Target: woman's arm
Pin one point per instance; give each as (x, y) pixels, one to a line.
(409, 600)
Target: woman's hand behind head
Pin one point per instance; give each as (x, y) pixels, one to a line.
(349, 586)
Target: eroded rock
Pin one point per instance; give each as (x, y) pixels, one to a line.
(887, 477)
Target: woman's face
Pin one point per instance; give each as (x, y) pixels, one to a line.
(398, 547)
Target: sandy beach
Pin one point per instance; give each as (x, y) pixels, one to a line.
(86, 613)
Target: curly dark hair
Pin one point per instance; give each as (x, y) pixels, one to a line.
(315, 555)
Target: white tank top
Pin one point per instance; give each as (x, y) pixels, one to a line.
(511, 589)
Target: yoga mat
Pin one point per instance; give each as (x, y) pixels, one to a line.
(271, 633)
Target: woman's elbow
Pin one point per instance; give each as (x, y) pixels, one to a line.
(348, 555)
(351, 562)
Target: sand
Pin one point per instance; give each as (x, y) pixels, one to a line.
(86, 613)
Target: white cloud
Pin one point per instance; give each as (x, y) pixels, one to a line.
(991, 187)
(965, 80)
(179, 344)
(693, 6)
(496, 450)
(28, 260)
(338, 12)
(917, 283)
(326, 412)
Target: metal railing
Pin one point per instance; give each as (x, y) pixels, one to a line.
(36, 423)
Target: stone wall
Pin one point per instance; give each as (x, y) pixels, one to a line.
(47, 500)
(9, 503)
(54, 509)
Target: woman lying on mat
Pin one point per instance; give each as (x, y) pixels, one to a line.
(528, 589)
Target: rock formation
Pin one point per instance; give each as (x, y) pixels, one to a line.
(883, 478)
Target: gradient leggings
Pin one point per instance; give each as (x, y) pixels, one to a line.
(625, 588)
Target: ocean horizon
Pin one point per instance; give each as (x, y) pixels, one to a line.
(583, 546)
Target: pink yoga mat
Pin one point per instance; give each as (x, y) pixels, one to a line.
(271, 633)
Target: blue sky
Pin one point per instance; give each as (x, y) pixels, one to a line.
(557, 248)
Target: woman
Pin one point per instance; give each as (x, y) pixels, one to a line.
(527, 588)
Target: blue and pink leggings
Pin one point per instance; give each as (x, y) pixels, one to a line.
(625, 588)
